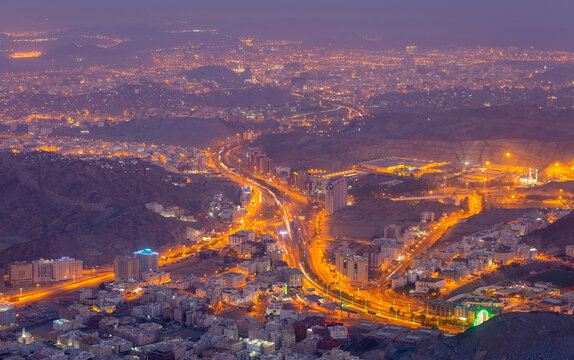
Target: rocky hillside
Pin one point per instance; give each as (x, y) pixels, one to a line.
(52, 206)
(555, 237)
(534, 136)
(535, 335)
(179, 131)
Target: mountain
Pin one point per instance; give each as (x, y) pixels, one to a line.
(535, 137)
(219, 74)
(175, 131)
(555, 237)
(52, 206)
(533, 335)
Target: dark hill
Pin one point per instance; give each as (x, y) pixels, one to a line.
(506, 122)
(219, 74)
(555, 237)
(52, 206)
(512, 336)
(179, 131)
(535, 137)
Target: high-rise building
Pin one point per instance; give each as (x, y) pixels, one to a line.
(355, 268)
(126, 267)
(148, 260)
(43, 271)
(296, 178)
(67, 269)
(335, 195)
(7, 314)
(56, 270)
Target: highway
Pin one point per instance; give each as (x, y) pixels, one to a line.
(302, 249)
(305, 254)
(62, 288)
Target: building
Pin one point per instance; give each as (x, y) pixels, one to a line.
(440, 308)
(503, 255)
(338, 332)
(293, 277)
(148, 260)
(42, 270)
(355, 268)
(552, 304)
(126, 268)
(398, 281)
(56, 270)
(393, 231)
(233, 279)
(152, 277)
(7, 314)
(302, 326)
(160, 354)
(241, 237)
(425, 284)
(67, 269)
(427, 216)
(21, 272)
(570, 250)
(335, 195)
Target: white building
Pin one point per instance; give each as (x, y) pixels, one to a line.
(335, 195)
(338, 332)
(7, 314)
(56, 270)
(425, 284)
(148, 260)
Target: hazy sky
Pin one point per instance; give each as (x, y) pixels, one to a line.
(425, 22)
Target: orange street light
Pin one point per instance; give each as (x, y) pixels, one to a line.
(507, 154)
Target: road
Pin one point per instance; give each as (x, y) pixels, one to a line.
(302, 250)
(63, 288)
(302, 253)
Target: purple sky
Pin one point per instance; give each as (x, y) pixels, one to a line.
(540, 23)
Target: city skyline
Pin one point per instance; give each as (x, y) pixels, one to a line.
(325, 180)
(533, 23)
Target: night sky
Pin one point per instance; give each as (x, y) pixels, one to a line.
(427, 23)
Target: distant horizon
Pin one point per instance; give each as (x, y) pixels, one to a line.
(523, 24)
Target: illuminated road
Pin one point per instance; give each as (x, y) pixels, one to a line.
(92, 279)
(302, 251)
(62, 288)
(303, 254)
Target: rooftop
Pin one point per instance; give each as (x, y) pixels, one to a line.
(5, 306)
(145, 252)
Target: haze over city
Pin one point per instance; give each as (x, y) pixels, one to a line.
(259, 180)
